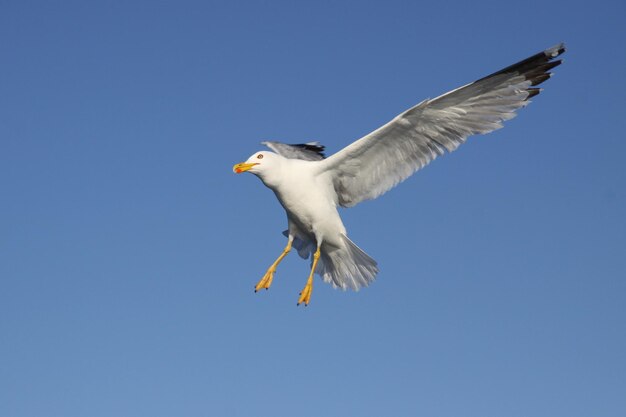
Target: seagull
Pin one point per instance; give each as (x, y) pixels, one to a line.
(311, 187)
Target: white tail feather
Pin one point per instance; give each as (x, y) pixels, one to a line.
(347, 267)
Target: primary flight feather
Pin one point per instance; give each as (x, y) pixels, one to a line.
(310, 186)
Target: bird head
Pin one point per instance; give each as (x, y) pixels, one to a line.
(263, 164)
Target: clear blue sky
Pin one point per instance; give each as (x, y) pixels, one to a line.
(129, 250)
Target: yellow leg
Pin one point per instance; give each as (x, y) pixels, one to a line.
(267, 279)
(305, 295)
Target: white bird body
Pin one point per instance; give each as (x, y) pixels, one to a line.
(309, 210)
(311, 188)
(303, 189)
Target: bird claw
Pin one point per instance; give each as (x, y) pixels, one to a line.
(305, 294)
(266, 281)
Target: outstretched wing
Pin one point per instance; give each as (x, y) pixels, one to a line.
(380, 160)
(311, 151)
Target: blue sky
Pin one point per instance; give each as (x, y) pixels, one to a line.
(129, 250)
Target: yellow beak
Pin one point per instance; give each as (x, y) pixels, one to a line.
(243, 167)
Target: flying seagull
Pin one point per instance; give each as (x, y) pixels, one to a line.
(310, 186)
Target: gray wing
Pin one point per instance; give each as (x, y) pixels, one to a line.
(380, 160)
(311, 151)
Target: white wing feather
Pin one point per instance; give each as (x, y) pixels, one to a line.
(380, 160)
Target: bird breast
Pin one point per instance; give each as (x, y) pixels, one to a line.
(309, 201)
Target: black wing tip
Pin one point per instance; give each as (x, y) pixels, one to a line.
(534, 68)
(539, 78)
(312, 147)
(310, 151)
(532, 92)
(538, 69)
(555, 51)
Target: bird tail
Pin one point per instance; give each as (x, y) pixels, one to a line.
(347, 267)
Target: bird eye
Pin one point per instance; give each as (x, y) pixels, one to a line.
(259, 156)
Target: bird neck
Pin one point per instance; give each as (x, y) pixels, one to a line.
(274, 177)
